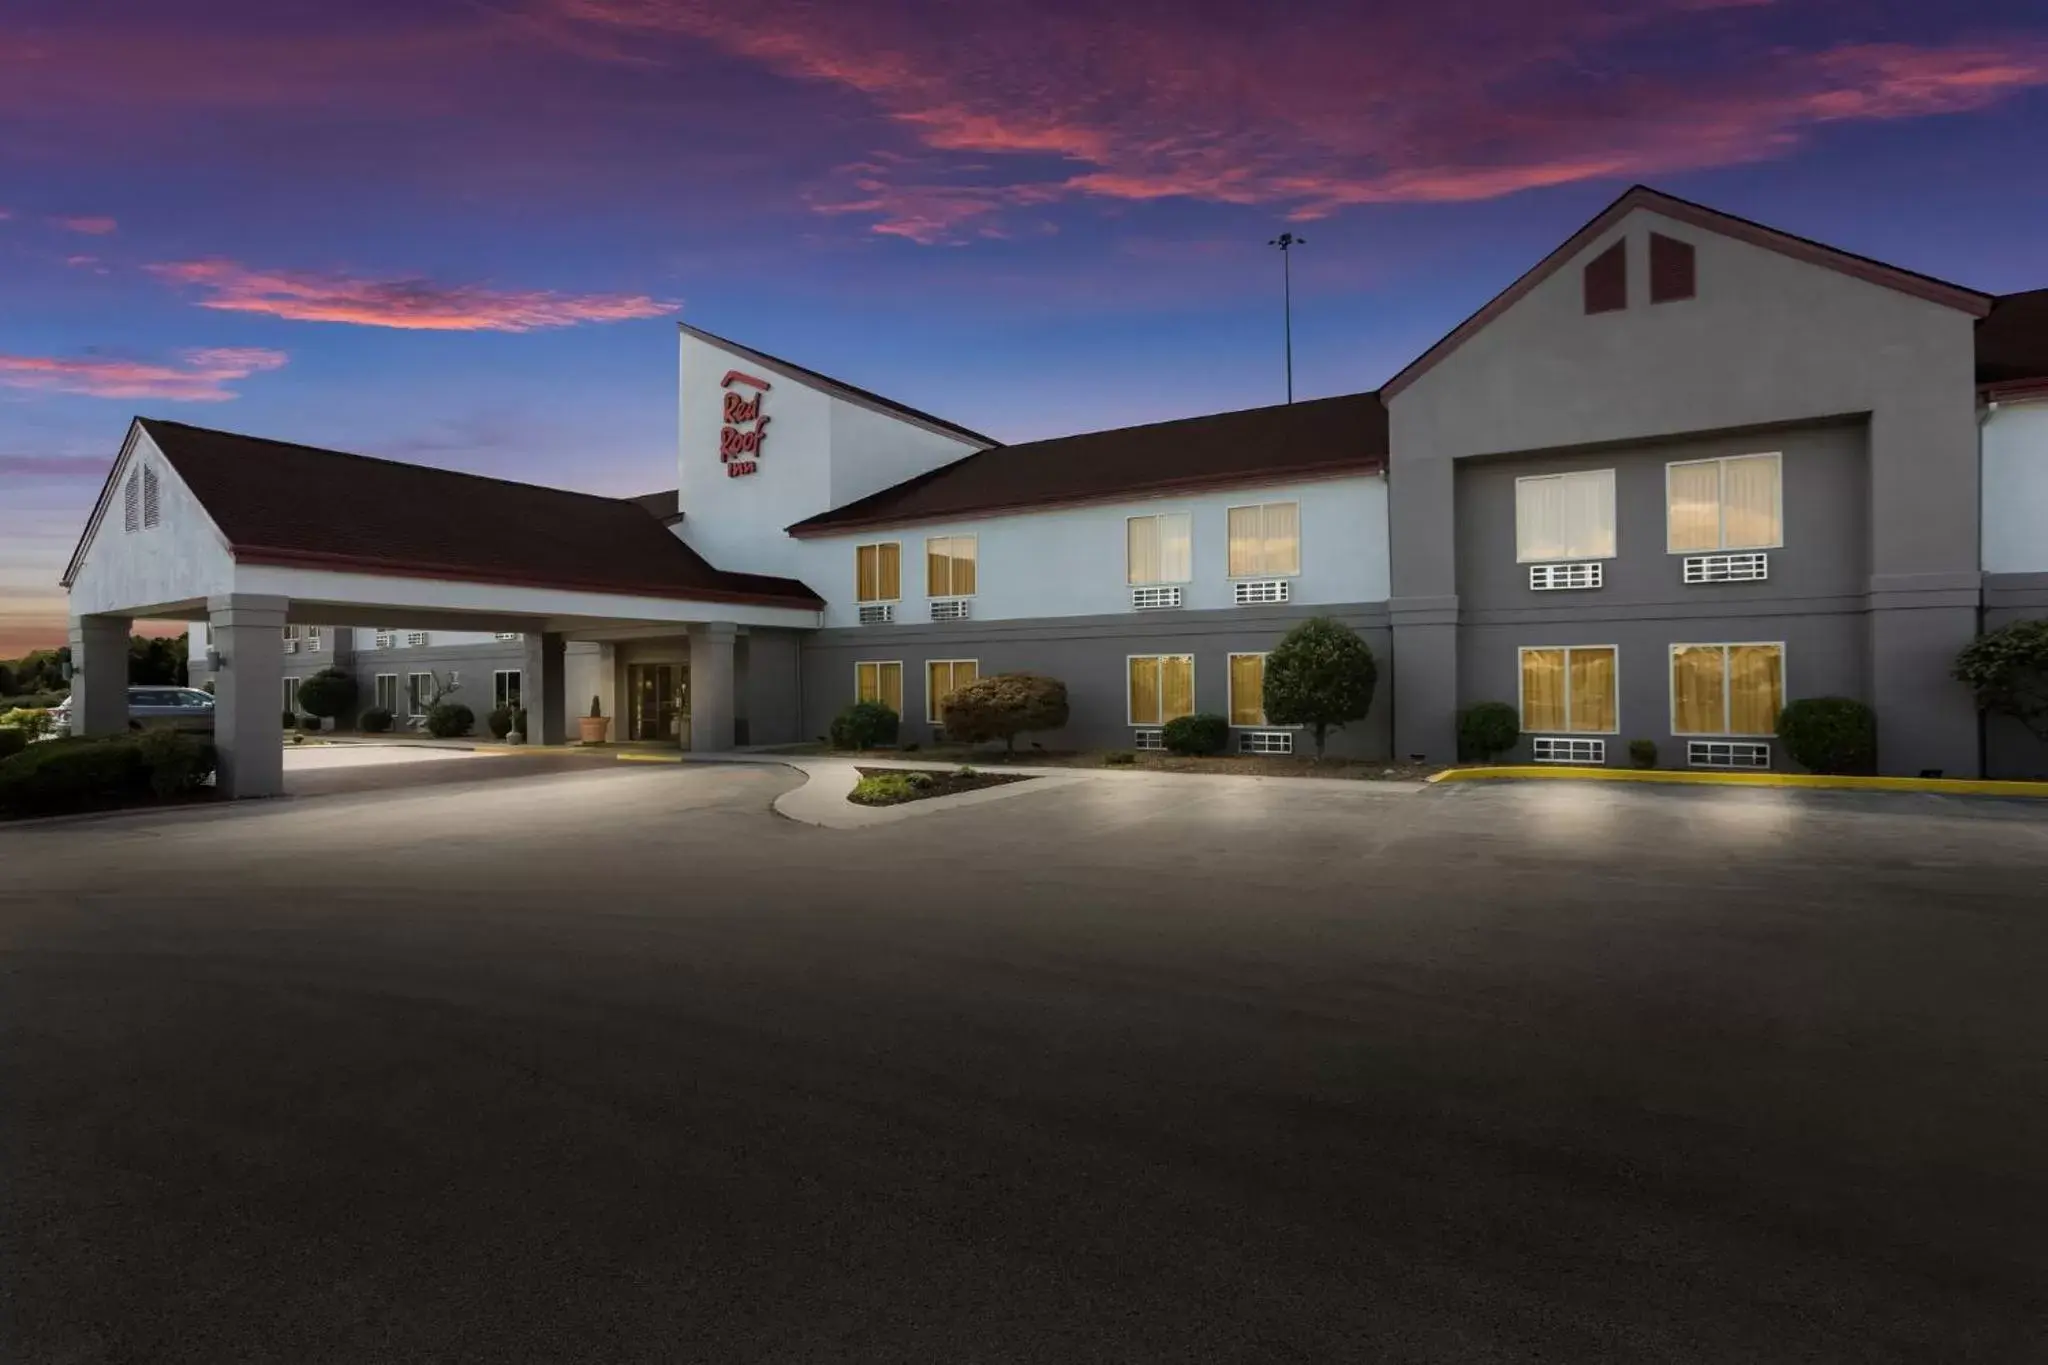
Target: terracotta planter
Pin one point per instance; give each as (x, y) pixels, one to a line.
(593, 729)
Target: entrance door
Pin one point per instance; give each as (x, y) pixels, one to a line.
(652, 688)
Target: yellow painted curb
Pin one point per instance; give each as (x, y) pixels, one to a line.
(1952, 786)
(647, 758)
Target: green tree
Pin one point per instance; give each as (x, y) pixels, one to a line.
(2008, 670)
(329, 694)
(1004, 706)
(1322, 675)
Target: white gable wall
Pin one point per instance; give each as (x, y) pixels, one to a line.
(184, 558)
(2016, 488)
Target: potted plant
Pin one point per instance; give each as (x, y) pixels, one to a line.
(596, 727)
(517, 734)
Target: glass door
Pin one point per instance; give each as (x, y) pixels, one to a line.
(652, 688)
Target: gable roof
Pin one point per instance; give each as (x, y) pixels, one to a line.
(1312, 439)
(1970, 301)
(839, 388)
(280, 503)
(2012, 342)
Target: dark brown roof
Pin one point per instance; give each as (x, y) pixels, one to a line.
(280, 503)
(665, 506)
(840, 387)
(1312, 439)
(2012, 343)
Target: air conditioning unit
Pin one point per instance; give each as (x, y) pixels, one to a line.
(1546, 750)
(1722, 753)
(878, 614)
(508, 635)
(1255, 592)
(1265, 742)
(291, 646)
(415, 637)
(1556, 577)
(386, 639)
(1154, 599)
(955, 610)
(1148, 739)
(1752, 566)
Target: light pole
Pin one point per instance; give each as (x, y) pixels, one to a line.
(1287, 241)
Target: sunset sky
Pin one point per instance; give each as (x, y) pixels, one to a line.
(459, 231)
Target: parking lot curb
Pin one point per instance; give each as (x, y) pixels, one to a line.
(1949, 786)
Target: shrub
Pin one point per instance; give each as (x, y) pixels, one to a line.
(310, 724)
(499, 722)
(376, 720)
(450, 720)
(1830, 734)
(13, 739)
(291, 720)
(1192, 736)
(1643, 752)
(1119, 758)
(864, 725)
(177, 762)
(883, 789)
(32, 721)
(2007, 669)
(596, 708)
(1486, 729)
(73, 774)
(330, 693)
(1322, 675)
(519, 720)
(1005, 706)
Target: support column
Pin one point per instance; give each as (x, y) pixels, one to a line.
(1425, 677)
(711, 687)
(1926, 720)
(248, 697)
(543, 683)
(99, 674)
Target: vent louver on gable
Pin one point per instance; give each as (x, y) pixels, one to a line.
(1672, 269)
(1606, 279)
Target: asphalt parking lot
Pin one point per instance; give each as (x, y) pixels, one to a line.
(613, 1064)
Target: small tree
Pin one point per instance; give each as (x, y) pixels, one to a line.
(1489, 728)
(328, 694)
(449, 720)
(1005, 706)
(2008, 670)
(1321, 675)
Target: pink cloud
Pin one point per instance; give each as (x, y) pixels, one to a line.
(197, 376)
(90, 226)
(410, 304)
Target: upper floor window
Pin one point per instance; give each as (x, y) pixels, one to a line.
(950, 566)
(878, 572)
(1265, 540)
(1159, 548)
(1732, 503)
(1672, 271)
(1564, 516)
(1606, 279)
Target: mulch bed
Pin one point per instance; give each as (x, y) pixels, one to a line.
(1240, 765)
(942, 783)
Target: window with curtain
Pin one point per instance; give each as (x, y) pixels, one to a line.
(505, 688)
(1734, 503)
(1265, 540)
(1727, 689)
(878, 572)
(291, 694)
(1162, 688)
(418, 687)
(942, 678)
(882, 682)
(1159, 548)
(1571, 690)
(387, 692)
(949, 566)
(1564, 516)
(1248, 689)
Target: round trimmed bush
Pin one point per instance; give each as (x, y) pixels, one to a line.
(864, 725)
(12, 740)
(310, 724)
(450, 720)
(1196, 735)
(1643, 752)
(1003, 706)
(1830, 734)
(291, 720)
(499, 722)
(1486, 729)
(375, 721)
(330, 693)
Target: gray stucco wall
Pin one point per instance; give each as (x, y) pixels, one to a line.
(1089, 654)
(769, 668)
(1770, 340)
(2009, 750)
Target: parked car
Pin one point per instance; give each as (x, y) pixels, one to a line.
(177, 708)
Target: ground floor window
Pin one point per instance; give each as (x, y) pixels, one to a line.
(1727, 689)
(882, 682)
(291, 695)
(1248, 689)
(1162, 688)
(1570, 690)
(505, 689)
(387, 692)
(419, 693)
(942, 678)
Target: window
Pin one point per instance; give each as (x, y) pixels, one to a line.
(1727, 689)
(294, 633)
(949, 566)
(1158, 548)
(1671, 269)
(1733, 503)
(1248, 689)
(387, 692)
(505, 688)
(878, 572)
(152, 500)
(1564, 516)
(419, 693)
(942, 678)
(1607, 279)
(1570, 690)
(1162, 688)
(291, 695)
(131, 502)
(882, 682)
(1265, 540)
(313, 637)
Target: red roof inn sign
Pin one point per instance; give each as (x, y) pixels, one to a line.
(739, 441)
